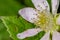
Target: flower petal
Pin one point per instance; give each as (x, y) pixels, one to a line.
(28, 33)
(46, 36)
(58, 20)
(29, 14)
(41, 5)
(56, 35)
(55, 4)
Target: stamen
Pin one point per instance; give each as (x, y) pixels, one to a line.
(46, 20)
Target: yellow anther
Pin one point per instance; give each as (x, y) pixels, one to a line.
(46, 21)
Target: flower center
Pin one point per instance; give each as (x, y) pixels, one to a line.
(45, 21)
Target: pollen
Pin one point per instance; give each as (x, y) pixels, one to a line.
(45, 21)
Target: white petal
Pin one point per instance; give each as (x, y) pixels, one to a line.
(55, 4)
(29, 14)
(28, 33)
(41, 5)
(58, 20)
(56, 35)
(46, 36)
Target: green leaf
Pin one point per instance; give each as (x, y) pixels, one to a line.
(9, 7)
(17, 25)
(4, 35)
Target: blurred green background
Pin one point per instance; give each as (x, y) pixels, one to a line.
(9, 7)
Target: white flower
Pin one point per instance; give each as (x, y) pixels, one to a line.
(42, 18)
